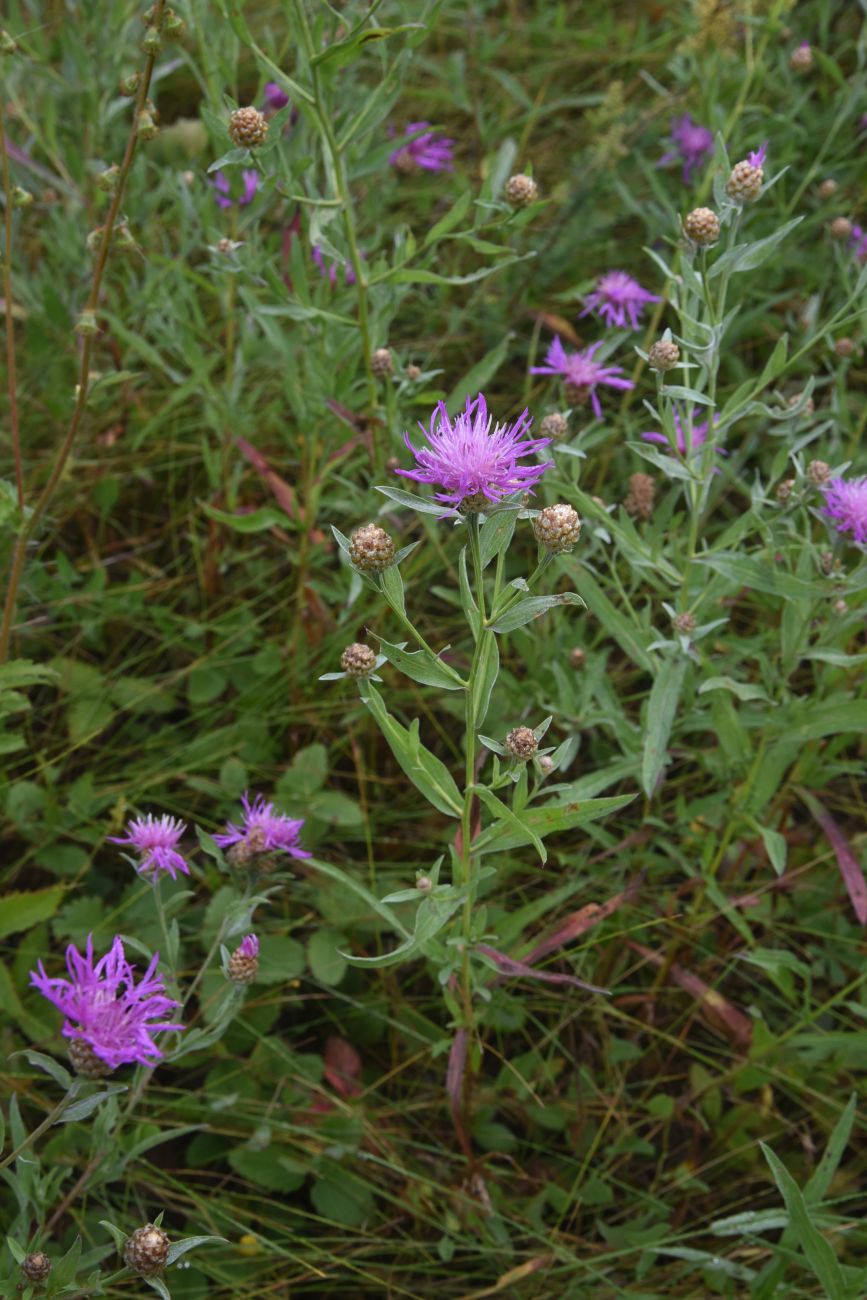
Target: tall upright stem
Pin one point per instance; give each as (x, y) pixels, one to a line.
(10, 321)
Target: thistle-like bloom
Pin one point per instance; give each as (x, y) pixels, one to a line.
(468, 458)
(329, 272)
(274, 98)
(430, 151)
(618, 300)
(692, 144)
(858, 243)
(758, 156)
(155, 839)
(249, 946)
(105, 1007)
(223, 188)
(698, 436)
(846, 505)
(267, 830)
(579, 370)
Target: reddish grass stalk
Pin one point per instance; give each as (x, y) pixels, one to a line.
(29, 525)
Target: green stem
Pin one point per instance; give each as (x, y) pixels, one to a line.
(50, 1119)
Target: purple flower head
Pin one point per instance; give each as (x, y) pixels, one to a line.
(329, 273)
(249, 946)
(692, 144)
(104, 1006)
(223, 189)
(846, 505)
(156, 840)
(465, 456)
(580, 370)
(858, 243)
(430, 151)
(274, 98)
(698, 436)
(862, 122)
(264, 830)
(618, 299)
(758, 156)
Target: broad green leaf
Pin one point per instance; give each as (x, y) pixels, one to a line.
(431, 915)
(356, 887)
(428, 773)
(20, 911)
(452, 218)
(496, 534)
(743, 690)
(421, 666)
(327, 963)
(412, 502)
(748, 257)
(550, 819)
(532, 607)
(661, 708)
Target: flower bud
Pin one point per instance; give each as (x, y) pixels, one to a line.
(152, 41)
(147, 1250)
(36, 1267)
(840, 606)
(546, 763)
(147, 127)
(801, 59)
(554, 426)
(358, 660)
(683, 624)
(521, 191)
(7, 44)
(87, 323)
(413, 373)
(381, 363)
(840, 229)
(702, 226)
(423, 884)
(371, 549)
(85, 1061)
(819, 472)
(809, 405)
(664, 355)
(577, 658)
(557, 528)
(243, 965)
(640, 499)
(129, 85)
(744, 185)
(174, 26)
(844, 347)
(784, 489)
(521, 744)
(828, 188)
(107, 180)
(247, 127)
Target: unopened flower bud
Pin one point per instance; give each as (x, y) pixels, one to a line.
(521, 744)
(21, 198)
(381, 363)
(576, 394)
(819, 472)
(36, 1267)
(840, 229)
(640, 499)
(702, 226)
(358, 660)
(129, 85)
(785, 489)
(174, 26)
(371, 549)
(147, 127)
(423, 884)
(243, 965)
(521, 191)
(546, 764)
(683, 624)
(152, 41)
(844, 347)
(809, 405)
(7, 44)
(413, 373)
(664, 355)
(801, 59)
(828, 188)
(87, 323)
(840, 606)
(247, 127)
(85, 1061)
(557, 528)
(147, 1250)
(554, 426)
(107, 180)
(826, 562)
(744, 185)
(577, 658)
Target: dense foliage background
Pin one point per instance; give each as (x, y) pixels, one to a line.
(183, 593)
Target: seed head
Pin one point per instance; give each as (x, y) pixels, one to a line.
(683, 624)
(85, 1061)
(702, 226)
(521, 191)
(358, 660)
(844, 347)
(147, 1250)
(744, 185)
(248, 127)
(840, 229)
(371, 549)
(243, 965)
(577, 658)
(819, 472)
(554, 426)
(521, 744)
(36, 1267)
(557, 528)
(801, 59)
(828, 188)
(641, 496)
(785, 489)
(664, 355)
(381, 363)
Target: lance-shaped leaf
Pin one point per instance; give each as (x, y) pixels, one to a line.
(424, 769)
(520, 970)
(534, 823)
(661, 708)
(431, 915)
(421, 666)
(850, 867)
(818, 1252)
(509, 820)
(532, 607)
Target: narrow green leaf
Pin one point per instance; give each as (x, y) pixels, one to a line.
(421, 666)
(661, 709)
(818, 1252)
(428, 773)
(532, 607)
(256, 521)
(506, 818)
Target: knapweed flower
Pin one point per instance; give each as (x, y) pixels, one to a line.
(223, 188)
(243, 965)
(858, 242)
(269, 831)
(429, 151)
(155, 839)
(698, 436)
(581, 373)
(329, 272)
(692, 144)
(274, 98)
(105, 1007)
(846, 505)
(757, 157)
(470, 459)
(618, 300)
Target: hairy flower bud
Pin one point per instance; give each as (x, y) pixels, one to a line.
(413, 373)
(423, 884)
(641, 496)
(546, 763)
(521, 191)
(36, 1267)
(521, 744)
(247, 127)
(245, 851)
(85, 1061)
(358, 660)
(801, 59)
(243, 965)
(844, 347)
(744, 185)
(371, 549)
(554, 426)
(828, 188)
(664, 355)
(107, 180)
(840, 229)
(819, 472)
(147, 1250)
(784, 489)
(21, 198)
(381, 363)
(557, 528)
(702, 226)
(683, 624)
